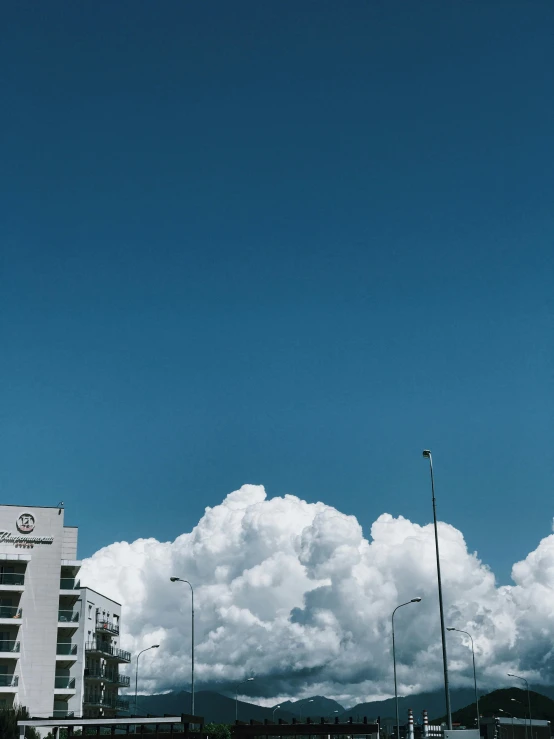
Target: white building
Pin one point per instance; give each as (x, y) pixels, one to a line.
(59, 643)
(98, 679)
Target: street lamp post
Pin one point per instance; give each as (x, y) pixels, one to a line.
(528, 700)
(178, 579)
(276, 707)
(154, 646)
(310, 701)
(407, 603)
(248, 680)
(451, 628)
(427, 455)
(515, 700)
(509, 714)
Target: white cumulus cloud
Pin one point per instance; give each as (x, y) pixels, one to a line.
(292, 592)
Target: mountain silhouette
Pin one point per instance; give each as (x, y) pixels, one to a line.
(218, 708)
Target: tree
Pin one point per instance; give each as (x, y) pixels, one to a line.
(218, 731)
(8, 723)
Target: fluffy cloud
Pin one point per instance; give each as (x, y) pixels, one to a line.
(293, 593)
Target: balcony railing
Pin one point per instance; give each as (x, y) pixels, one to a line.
(104, 648)
(62, 714)
(12, 578)
(108, 627)
(68, 616)
(66, 648)
(9, 646)
(64, 683)
(69, 583)
(106, 701)
(92, 700)
(110, 677)
(9, 681)
(10, 612)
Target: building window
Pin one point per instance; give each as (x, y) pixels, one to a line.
(90, 611)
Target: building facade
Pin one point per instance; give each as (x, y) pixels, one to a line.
(46, 636)
(99, 676)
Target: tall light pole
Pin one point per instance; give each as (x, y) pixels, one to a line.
(310, 701)
(248, 680)
(154, 646)
(451, 628)
(427, 455)
(407, 603)
(509, 714)
(528, 700)
(178, 579)
(515, 700)
(276, 707)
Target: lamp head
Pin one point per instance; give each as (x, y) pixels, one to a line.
(174, 579)
(450, 628)
(427, 453)
(416, 600)
(249, 679)
(154, 646)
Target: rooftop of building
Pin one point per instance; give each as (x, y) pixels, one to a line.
(84, 587)
(18, 505)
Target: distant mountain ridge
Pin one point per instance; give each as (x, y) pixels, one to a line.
(218, 708)
(500, 703)
(318, 705)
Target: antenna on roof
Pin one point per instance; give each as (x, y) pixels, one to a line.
(60, 506)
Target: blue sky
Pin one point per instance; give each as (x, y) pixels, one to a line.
(280, 243)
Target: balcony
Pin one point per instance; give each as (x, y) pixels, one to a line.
(68, 617)
(9, 683)
(9, 648)
(107, 676)
(68, 621)
(66, 654)
(9, 613)
(64, 686)
(107, 627)
(63, 648)
(64, 683)
(12, 581)
(107, 651)
(70, 586)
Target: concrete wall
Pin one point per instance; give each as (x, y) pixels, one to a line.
(69, 544)
(39, 600)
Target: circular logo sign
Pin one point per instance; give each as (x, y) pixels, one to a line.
(26, 523)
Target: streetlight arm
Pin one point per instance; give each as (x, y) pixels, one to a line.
(407, 603)
(413, 600)
(461, 631)
(154, 646)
